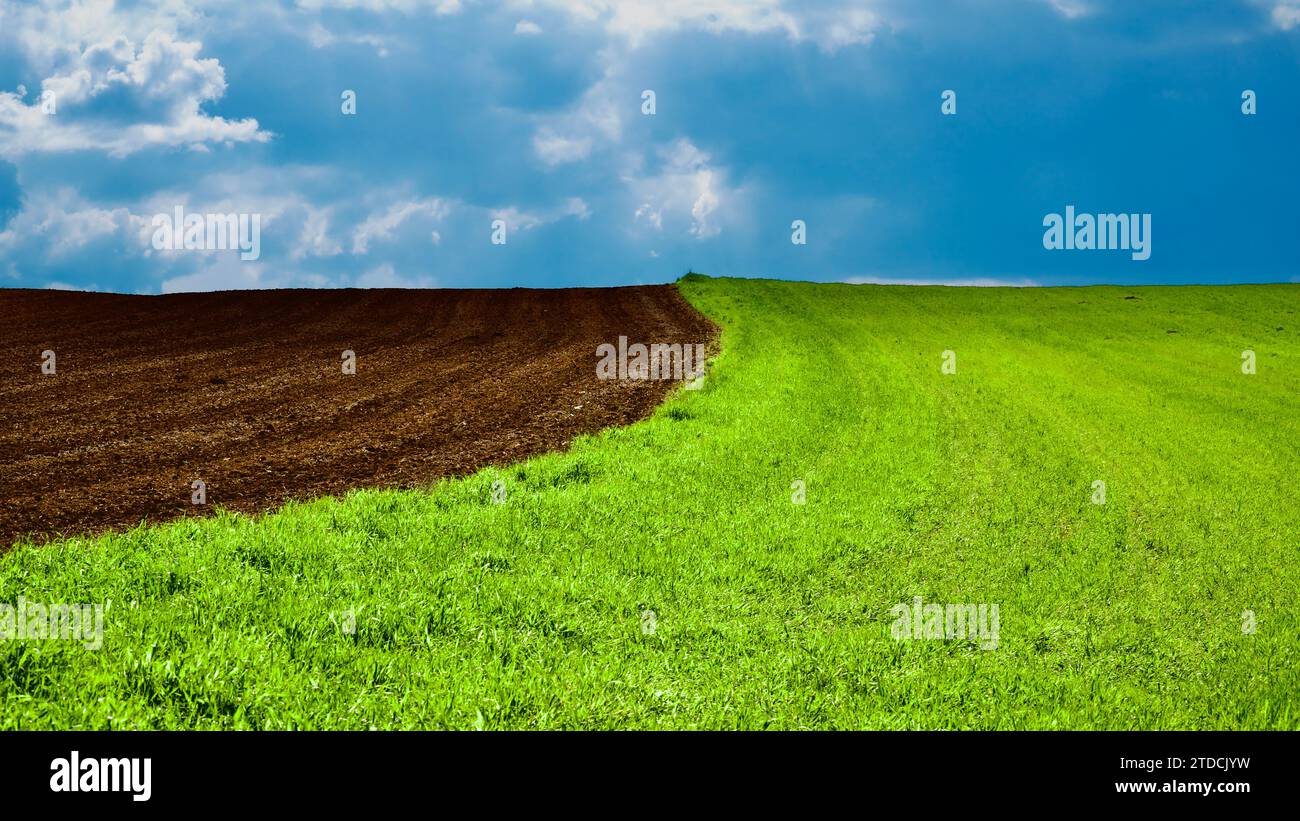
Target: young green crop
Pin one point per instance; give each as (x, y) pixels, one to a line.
(662, 575)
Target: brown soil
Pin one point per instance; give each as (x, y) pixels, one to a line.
(245, 391)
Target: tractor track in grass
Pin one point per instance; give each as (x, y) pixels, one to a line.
(244, 390)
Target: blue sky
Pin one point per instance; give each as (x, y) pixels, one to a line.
(530, 112)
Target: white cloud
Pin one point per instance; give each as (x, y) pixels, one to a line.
(527, 27)
(55, 34)
(1286, 16)
(516, 218)
(556, 150)
(381, 226)
(58, 226)
(688, 188)
(576, 207)
(571, 135)
(705, 204)
(321, 37)
(597, 118)
(654, 216)
(407, 6)
(60, 222)
(315, 240)
(1069, 9)
(164, 82)
(272, 194)
(854, 26)
(831, 26)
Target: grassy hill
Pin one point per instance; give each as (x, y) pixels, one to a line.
(970, 487)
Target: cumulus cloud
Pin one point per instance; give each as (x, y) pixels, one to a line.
(61, 236)
(59, 230)
(56, 33)
(687, 188)
(56, 224)
(120, 98)
(527, 27)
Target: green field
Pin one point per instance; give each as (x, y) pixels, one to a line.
(973, 487)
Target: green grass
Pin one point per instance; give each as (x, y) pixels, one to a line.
(964, 488)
